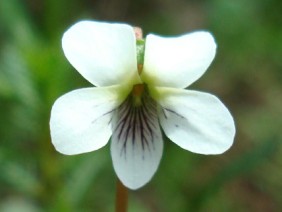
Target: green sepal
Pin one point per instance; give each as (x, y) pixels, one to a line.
(140, 48)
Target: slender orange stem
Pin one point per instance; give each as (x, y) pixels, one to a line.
(121, 197)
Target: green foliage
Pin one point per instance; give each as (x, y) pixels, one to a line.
(246, 75)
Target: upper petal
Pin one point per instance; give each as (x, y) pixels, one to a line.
(103, 53)
(81, 119)
(195, 121)
(177, 62)
(137, 143)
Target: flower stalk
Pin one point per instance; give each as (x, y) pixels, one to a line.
(121, 197)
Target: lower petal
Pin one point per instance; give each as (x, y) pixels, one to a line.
(81, 119)
(137, 144)
(196, 121)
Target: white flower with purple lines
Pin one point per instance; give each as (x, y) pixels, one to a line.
(133, 100)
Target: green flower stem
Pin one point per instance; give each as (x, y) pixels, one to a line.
(121, 197)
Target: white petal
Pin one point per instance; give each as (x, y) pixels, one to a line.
(137, 144)
(177, 62)
(103, 53)
(196, 121)
(81, 120)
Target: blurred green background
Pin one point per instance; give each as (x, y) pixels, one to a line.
(246, 75)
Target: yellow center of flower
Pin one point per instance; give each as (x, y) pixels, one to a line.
(137, 92)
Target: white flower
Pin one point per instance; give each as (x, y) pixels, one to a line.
(129, 107)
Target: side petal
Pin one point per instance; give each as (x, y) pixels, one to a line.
(137, 143)
(81, 119)
(196, 121)
(103, 53)
(177, 62)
